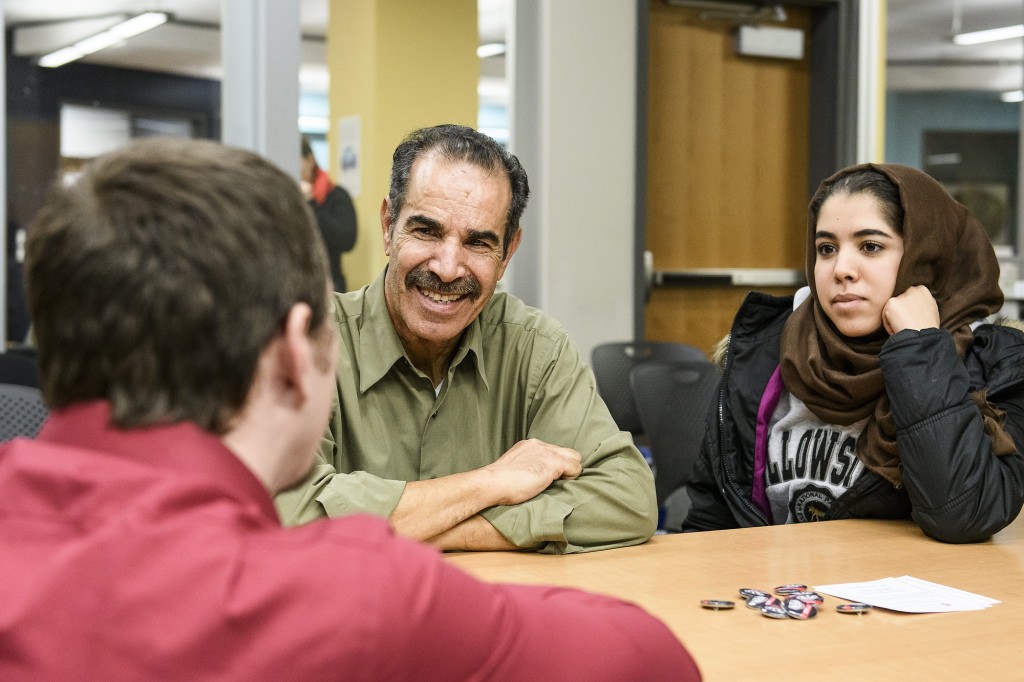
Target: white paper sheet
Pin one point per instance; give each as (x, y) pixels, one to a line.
(909, 594)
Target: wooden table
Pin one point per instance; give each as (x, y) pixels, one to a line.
(671, 574)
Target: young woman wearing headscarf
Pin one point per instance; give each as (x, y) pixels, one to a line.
(878, 391)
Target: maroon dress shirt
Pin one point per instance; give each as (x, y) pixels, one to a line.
(154, 554)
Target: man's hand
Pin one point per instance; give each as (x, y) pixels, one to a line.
(915, 308)
(529, 467)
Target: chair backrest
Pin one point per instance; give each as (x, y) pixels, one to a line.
(672, 400)
(22, 411)
(19, 366)
(612, 363)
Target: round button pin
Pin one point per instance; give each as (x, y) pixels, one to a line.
(809, 597)
(717, 604)
(786, 590)
(801, 610)
(854, 607)
(760, 601)
(774, 611)
(749, 592)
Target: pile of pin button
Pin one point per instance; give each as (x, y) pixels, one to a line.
(789, 601)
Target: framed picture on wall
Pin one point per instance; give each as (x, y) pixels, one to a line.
(979, 169)
(990, 204)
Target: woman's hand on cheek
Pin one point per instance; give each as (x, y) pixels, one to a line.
(915, 308)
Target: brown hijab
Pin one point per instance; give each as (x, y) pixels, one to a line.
(945, 249)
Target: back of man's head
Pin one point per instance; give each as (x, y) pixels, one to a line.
(157, 278)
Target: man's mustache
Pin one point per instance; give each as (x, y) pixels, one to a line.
(423, 278)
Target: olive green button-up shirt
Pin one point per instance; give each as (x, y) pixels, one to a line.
(515, 375)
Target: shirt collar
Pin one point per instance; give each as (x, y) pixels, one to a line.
(380, 347)
(183, 448)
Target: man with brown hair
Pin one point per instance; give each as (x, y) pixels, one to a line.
(179, 296)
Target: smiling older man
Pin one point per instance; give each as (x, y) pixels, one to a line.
(463, 415)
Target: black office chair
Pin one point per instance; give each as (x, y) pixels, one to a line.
(22, 411)
(19, 366)
(612, 363)
(672, 400)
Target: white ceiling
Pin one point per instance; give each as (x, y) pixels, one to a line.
(920, 54)
(188, 45)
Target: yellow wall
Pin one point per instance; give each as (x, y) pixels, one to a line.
(398, 65)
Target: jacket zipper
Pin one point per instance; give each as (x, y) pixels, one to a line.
(734, 489)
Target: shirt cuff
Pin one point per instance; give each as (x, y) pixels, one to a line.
(532, 524)
(360, 493)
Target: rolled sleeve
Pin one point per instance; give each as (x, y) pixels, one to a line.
(326, 492)
(541, 520)
(613, 500)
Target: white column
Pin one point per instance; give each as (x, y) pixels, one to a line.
(260, 41)
(572, 75)
(871, 81)
(3, 183)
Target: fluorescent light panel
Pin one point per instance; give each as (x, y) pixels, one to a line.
(112, 36)
(490, 50)
(314, 124)
(989, 35)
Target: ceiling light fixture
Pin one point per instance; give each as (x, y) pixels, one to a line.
(989, 35)
(490, 50)
(100, 41)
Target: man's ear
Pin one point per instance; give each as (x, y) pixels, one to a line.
(513, 245)
(385, 225)
(295, 351)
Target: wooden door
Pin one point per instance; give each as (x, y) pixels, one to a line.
(727, 167)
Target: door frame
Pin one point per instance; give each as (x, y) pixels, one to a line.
(832, 134)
